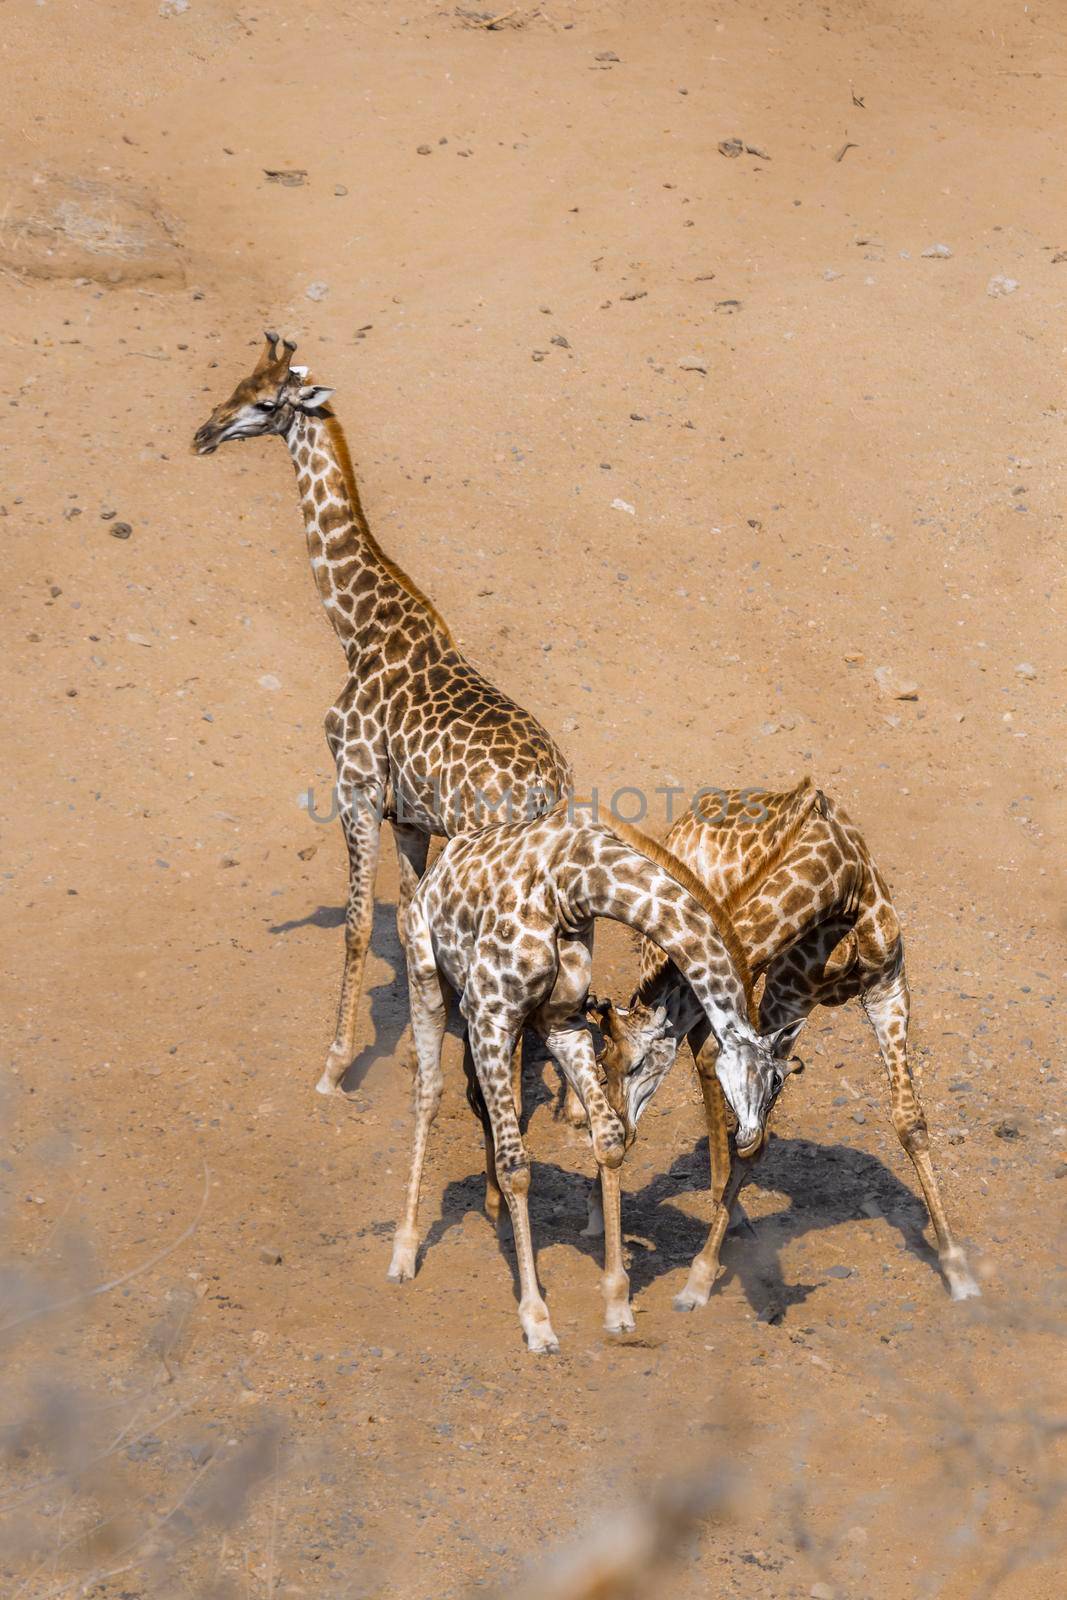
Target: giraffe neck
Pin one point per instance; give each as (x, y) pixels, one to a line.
(356, 580)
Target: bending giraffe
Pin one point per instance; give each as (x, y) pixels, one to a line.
(417, 734)
(813, 913)
(505, 919)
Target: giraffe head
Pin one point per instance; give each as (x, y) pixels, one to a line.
(636, 1057)
(264, 402)
(639, 1050)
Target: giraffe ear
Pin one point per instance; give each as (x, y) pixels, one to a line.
(781, 1041)
(312, 395)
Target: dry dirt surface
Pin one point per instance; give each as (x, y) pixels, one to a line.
(706, 457)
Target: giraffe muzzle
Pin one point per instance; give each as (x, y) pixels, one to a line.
(748, 1141)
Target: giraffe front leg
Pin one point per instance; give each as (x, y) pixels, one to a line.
(428, 1018)
(412, 847)
(727, 1177)
(618, 1317)
(361, 820)
(492, 1045)
(494, 1199)
(887, 1006)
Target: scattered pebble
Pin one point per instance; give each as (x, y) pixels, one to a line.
(340, 190)
(307, 852)
(1025, 670)
(139, 638)
(289, 177)
(269, 681)
(424, 150)
(830, 274)
(173, 8)
(694, 364)
(106, 516)
(937, 252)
(731, 148)
(893, 687)
(623, 505)
(1001, 285)
(840, 1271)
(1008, 1128)
(268, 1254)
(317, 290)
(120, 530)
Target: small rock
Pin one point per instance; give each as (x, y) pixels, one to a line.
(768, 728)
(754, 150)
(54, 590)
(173, 8)
(1000, 285)
(854, 658)
(307, 852)
(563, 343)
(317, 290)
(340, 190)
(228, 861)
(822, 1591)
(840, 1271)
(623, 505)
(1008, 1128)
(538, 355)
(72, 694)
(289, 177)
(269, 1256)
(937, 252)
(893, 687)
(106, 516)
(731, 148)
(859, 1116)
(830, 274)
(606, 55)
(1025, 670)
(694, 364)
(269, 681)
(120, 530)
(139, 638)
(424, 150)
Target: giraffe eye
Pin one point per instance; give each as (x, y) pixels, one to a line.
(266, 405)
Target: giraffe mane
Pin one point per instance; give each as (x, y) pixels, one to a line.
(397, 573)
(719, 913)
(746, 887)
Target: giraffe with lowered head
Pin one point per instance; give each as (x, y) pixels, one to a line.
(417, 734)
(795, 878)
(505, 919)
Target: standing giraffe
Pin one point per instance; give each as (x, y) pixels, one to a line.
(417, 734)
(813, 913)
(505, 919)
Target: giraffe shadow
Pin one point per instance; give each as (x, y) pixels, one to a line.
(388, 999)
(826, 1185)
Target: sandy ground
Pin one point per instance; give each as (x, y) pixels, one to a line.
(869, 474)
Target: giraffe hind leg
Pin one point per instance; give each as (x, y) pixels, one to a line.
(429, 1013)
(886, 1005)
(362, 828)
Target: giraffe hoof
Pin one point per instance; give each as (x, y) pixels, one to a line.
(961, 1285)
(619, 1319)
(402, 1266)
(337, 1064)
(547, 1345)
